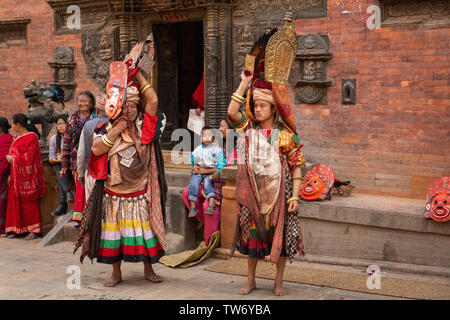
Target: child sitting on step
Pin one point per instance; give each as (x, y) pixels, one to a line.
(207, 160)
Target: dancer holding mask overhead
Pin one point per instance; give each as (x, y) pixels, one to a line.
(124, 215)
(269, 159)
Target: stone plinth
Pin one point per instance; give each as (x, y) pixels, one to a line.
(365, 227)
(49, 202)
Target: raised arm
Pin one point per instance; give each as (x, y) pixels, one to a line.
(151, 99)
(233, 108)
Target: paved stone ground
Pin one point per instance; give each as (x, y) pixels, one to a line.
(29, 271)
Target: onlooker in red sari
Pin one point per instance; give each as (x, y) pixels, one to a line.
(75, 123)
(27, 182)
(5, 144)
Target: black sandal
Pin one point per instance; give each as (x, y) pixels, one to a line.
(31, 236)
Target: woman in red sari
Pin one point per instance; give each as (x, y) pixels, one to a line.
(5, 144)
(27, 183)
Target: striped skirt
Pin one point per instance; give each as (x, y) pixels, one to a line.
(256, 248)
(126, 231)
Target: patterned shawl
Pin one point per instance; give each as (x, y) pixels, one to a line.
(286, 224)
(72, 139)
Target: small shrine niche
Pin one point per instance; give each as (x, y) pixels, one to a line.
(348, 91)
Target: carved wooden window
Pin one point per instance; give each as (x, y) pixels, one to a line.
(422, 13)
(13, 32)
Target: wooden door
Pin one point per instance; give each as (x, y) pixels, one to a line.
(166, 50)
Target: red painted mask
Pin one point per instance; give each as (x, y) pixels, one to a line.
(438, 200)
(317, 183)
(312, 188)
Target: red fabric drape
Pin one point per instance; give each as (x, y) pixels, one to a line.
(198, 97)
(5, 144)
(27, 184)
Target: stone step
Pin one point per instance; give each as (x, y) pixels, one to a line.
(176, 160)
(376, 229)
(179, 179)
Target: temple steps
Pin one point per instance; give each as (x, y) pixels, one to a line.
(362, 229)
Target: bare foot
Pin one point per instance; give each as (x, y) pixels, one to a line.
(153, 278)
(113, 281)
(249, 286)
(278, 290)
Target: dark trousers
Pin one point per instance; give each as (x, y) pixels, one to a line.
(63, 183)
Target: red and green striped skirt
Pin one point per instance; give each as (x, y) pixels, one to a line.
(126, 230)
(256, 248)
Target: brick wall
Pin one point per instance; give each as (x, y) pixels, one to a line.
(396, 139)
(20, 64)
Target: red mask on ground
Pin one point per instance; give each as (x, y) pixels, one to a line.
(317, 183)
(438, 200)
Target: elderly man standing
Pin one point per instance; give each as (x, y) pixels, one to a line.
(85, 146)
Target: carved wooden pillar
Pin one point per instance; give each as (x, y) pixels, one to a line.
(218, 64)
(132, 29)
(212, 64)
(124, 35)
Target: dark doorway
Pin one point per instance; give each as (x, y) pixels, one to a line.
(179, 49)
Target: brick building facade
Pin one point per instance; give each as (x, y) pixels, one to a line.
(22, 62)
(394, 140)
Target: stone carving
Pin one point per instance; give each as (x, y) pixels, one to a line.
(38, 112)
(308, 94)
(265, 9)
(310, 70)
(63, 65)
(100, 47)
(13, 32)
(313, 52)
(252, 18)
(425, 14)
(415, 8)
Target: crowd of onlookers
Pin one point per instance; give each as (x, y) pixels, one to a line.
(22, 181)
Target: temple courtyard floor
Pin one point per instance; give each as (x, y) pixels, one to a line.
(29, 271)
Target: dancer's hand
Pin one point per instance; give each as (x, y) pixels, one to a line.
(293, 206)
(246, 77)
(121, 125)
